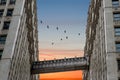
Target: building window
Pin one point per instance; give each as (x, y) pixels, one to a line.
(118, 61)
(117, 31)
(117, 46)
(1, 52)
(2, 2)
(3, 39)
(9, 12)
(1, 12)
(115, 3)
(12, 1)
(6, 25)
(116, 16)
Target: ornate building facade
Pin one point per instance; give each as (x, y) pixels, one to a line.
(103, 40)
(18, 39)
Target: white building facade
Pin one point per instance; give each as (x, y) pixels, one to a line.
(103, 40)
(18, 39)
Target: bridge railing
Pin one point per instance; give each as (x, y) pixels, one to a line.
(53, 65)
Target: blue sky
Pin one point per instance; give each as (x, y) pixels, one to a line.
(69, 15)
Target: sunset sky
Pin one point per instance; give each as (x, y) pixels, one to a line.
(69, 16)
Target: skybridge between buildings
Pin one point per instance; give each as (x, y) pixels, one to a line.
(59, 65)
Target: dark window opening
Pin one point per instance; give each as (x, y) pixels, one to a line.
(6, 25)
(1, 12)
(116, 16)
(115, 3)
(3, 39)
(1, 52)
(3, 2)
(12, 1)
(118, 61)
(117, 31)
(9, 12)
(117, 46)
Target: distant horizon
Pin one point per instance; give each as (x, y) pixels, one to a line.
(61, 79)
(65, 75)
(59, 54)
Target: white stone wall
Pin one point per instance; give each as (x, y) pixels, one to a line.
(9, 47)
(35, 35)
(110, 41)
(15, 62)
(103, 61)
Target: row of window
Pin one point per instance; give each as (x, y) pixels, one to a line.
(9, 12)
(116, 17)
(3, 2)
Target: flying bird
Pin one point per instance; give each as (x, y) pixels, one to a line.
(78, 33)
(41, 21)
(52, 43)
(64, 31)
(57, 28)
(66, 37)
(48, 26)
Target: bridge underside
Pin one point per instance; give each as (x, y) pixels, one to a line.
(59, 65)
(58, 69)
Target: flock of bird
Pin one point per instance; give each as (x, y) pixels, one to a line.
(57, 28)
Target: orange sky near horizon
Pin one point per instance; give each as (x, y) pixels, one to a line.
(49, 54)
(71, 75)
